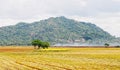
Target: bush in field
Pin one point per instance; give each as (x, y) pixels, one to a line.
(35, 43)
(40, 44)
(45, 45)
(106, 45)
(117, 46)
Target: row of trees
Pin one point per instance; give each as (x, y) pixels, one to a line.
(40, 44)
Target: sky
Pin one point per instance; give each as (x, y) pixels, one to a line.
(103, 13)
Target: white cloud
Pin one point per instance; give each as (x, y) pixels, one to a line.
(116, 0)
(4, 22)
(27, 9)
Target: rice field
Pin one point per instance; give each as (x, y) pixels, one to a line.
(27, 58)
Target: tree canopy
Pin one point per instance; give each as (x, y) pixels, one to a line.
(40, 44)
(106, 44)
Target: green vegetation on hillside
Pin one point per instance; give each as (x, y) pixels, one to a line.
(53, 30)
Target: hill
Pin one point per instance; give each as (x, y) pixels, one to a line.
(55, 30)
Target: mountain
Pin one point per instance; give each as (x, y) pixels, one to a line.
(55, 30)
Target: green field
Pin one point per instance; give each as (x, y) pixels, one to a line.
(27, 58)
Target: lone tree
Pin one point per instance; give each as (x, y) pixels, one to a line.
(106, 45)
(40, 44)
(35, 43)
(45, 45)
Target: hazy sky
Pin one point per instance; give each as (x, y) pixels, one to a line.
(104, 13)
